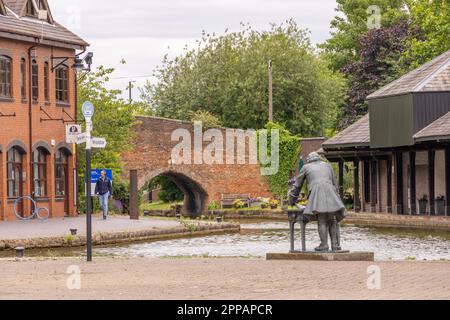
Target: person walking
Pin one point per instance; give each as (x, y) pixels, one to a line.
(103, 190)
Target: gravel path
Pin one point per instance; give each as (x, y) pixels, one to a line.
(141, 278)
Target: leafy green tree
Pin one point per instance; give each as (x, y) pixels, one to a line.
(207, 119)
(432, 18)
(380, 62)
(289, 150)
(228, 77)
(351, 24)
(112, 120)
(169, 191)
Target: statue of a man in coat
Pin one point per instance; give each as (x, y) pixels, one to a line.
(324, 202)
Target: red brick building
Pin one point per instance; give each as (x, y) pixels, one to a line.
(37, 101)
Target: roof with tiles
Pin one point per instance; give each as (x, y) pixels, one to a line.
(356, 135)
(433, 76)
(17, 21)
(437, 130)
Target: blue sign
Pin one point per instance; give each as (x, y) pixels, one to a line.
(97, 173)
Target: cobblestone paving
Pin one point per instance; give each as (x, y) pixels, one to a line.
(60, 227)
(141, 278)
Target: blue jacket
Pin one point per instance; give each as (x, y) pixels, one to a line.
(103, 186)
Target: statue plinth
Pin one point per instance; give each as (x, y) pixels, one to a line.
(298, 216)
(323, 256)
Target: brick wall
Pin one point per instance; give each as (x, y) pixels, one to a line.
(151, 156)
(50, 132)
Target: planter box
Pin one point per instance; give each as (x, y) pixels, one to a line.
(440, 207)
(423, 206)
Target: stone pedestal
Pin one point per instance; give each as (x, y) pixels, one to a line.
(322, 256)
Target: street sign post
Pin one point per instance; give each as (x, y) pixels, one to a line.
(88, 112)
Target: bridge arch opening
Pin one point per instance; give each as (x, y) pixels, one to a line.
(195, 197)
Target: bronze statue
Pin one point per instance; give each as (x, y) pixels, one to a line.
(324, 202)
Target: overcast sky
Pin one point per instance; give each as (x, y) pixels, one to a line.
(142, 31)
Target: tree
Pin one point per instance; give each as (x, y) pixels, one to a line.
(112, 120)
(380, 62)
(206, 118)
(432, 18)
(168, 190)
(228, 77)
(351, 24)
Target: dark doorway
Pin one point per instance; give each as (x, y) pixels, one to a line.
(62, 178)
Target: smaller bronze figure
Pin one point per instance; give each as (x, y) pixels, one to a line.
(324, 203)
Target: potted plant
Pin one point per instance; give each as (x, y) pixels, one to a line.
(273, 203)
(264, 205)
(440, 205)
(238, 204)
(423, 202)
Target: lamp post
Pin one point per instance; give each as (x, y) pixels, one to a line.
(130, 87)
(270, 92)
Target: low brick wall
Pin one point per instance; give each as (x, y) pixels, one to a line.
(199, 229)
(228, 214)
(363, 219)
(399, 221)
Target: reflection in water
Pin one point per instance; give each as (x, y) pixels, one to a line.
(256, 239)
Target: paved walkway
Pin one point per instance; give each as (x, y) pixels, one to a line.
(60, 227)
(203, 279)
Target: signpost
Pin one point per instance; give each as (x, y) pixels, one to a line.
(88, 113)
(75, 135)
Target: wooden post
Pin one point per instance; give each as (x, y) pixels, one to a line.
(431, 166)
(389, 184)
(373, 185)
(399, 181)
(270, 92)
(366, 184)
(134, 200)
(447, 180)
(412, 182)
(380, 196)
(341, 178)
(356, 200)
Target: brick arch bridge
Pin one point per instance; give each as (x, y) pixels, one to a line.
(201, 183)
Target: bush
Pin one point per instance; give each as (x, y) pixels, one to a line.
(213, 206)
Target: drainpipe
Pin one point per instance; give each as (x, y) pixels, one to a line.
(75, 151)
(30, 119)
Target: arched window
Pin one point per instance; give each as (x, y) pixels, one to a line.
(5, 77)
(62, 84)
(40, 172)
(14, 163)
(46, 82)
(23, 78)
(34, 80)
(61, 172)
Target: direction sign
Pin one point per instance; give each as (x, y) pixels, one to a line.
(99, 143)
(81, 138)
(72, 131)
(88, 110)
